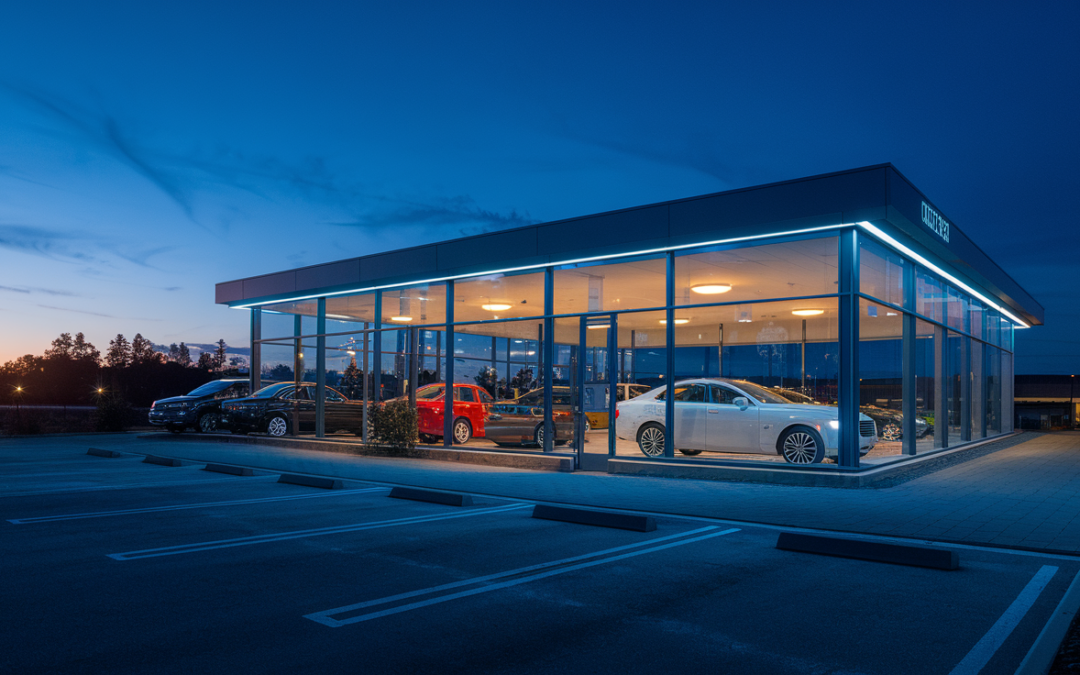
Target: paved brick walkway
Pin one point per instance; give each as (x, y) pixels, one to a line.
(1024, 495)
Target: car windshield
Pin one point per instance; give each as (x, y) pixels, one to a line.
(760, 394)
(269, 392)
(210, 388)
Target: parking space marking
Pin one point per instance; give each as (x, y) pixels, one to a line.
(524, 574)
(133, 486)
(181, 507)
(300, 534)
(985, 648)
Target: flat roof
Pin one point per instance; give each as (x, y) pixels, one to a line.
(877, 195)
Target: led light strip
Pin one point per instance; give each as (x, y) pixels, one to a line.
(865, 225)
(926, 263)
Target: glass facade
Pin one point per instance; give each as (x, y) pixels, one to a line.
(577, 358)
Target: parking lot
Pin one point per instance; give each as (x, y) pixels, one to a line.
(120, 566)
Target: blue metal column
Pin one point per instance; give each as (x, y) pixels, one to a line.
(578, 397)
(965, 388)
(298, 372)
(669, 376)
(448, 396)
(908, 361)
(548, 349)
(613, 379)
(848, 384)
(320, 369)
(256, 350)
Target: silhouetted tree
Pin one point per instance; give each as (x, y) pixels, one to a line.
(61, 347)
(351, 382)
(119, 354)
(219, 355)
(184, 357)
(206, 362)
(83, 350)
(142, 351)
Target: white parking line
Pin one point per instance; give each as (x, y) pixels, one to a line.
(181, 507)
(564, 566)
(131, 486)
(985, 648)
(300, 534)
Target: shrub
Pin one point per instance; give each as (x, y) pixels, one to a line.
(113, 414)
(394, 424)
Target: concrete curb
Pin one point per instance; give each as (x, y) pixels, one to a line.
(312, 481)
(110, 454)
(621, 521)
(431, 496)
(1041, 656)
(162, 461)
(231, 470)
(874, 551)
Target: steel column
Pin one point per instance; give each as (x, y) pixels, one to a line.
(669, 376)
(849, 395)
(448, 395)
(320, 369)
(548, 348)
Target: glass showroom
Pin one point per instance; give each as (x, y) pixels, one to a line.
(820, 345)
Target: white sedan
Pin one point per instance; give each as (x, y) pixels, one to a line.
(720, 415)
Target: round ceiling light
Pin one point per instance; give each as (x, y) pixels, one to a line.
(711, 289)
(496, 307)
(401, 319)
(808, 312)
(678, 322)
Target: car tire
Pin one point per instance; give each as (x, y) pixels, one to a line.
(890, 431)
(428, 438)
(588, 427)
(462, 431)
(538, 436)
(690, 452)
(277, 426)
(206, 423)
(650, 440)
(801, 445)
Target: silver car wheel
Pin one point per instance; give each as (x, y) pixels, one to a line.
(462, 432)
(801, 448)
(277, 426)
(651, 441)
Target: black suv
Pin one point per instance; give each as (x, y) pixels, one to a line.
(273, 409)
(200, 409)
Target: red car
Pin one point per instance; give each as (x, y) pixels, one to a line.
(471, 405)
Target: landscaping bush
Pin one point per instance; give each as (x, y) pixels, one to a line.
(394, 424)
(113, 414)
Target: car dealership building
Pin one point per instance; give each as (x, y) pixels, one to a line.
(818, 306)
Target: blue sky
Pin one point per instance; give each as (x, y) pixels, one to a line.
(149, 151)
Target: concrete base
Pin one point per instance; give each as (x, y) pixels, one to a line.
(514, 460)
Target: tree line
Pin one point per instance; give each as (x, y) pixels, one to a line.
(73, 372)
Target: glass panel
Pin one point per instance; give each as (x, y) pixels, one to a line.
(957, 309)
(958, 372)
(499, 296)
(792, 269)
(930, 297)
(497, 366)
(993, 391)
(881, 391)
(993, 327)
(978, 391)
(417, 305)
(343, 312)
(881, 272)
(926, 373)
(1007, 421)
(611, 287)
(278, 318)
(976, 318)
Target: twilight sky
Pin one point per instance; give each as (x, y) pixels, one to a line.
(150, 150)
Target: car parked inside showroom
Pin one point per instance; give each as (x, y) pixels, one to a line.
(890, 423)
(276, 408)
(736, 416)
(471, 405)
(199, 409)
(521, 421)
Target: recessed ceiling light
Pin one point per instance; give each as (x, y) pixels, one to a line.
(495, 307)
(678, 322)
(401, 319)
(808, 312)
(602, 326)
(711, 289)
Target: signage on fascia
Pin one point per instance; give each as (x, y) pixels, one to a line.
(935, 222)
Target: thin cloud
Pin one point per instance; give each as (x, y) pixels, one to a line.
(54, 244)
(27, 290)
(105, 316)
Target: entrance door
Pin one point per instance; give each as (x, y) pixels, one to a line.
(593, 391)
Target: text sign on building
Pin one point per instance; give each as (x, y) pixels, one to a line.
(935, 222)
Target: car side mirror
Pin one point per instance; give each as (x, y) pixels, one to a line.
(742, 402)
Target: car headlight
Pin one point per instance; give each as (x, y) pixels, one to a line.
(834, 424)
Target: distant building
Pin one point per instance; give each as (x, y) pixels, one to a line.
(1046, 401)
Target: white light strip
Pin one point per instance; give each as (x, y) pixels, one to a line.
(926, 263)
(543, 265)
